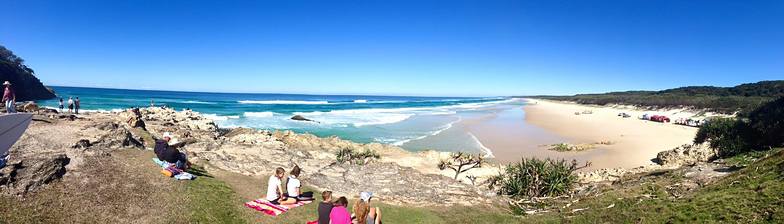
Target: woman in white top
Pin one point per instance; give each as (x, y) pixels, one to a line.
(275, 189)
(293, 187)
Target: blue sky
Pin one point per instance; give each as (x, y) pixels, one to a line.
(435, 48)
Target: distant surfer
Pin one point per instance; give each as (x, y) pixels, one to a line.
(9, 98)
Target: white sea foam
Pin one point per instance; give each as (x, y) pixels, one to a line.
(258, 114)
(433, 133)
(488, 153)
(197, 102)
(358, 117)
(115, 110)
(216, 117)
(360, 101)
(379, 116)
(282, 102)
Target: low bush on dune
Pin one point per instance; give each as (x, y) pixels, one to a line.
(761, 130)
(349, 155)
(534, 177)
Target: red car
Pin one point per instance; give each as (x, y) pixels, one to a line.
(660, 118)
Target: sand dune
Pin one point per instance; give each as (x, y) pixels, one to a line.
(635, 141)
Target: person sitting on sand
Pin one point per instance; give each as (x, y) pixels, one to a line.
(325, 207)
(339, 213)
(364, 212)
(293, 187)
(169, 153)
(275, 189)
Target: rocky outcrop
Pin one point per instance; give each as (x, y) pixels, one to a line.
(686, 155)
(26, 85)
(395, 184)
(29, 107)
(300, 118)
(21, 176)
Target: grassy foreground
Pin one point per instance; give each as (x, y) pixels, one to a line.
(753, 194)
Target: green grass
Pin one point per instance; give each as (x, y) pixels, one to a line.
(754, 194)
(210, 200)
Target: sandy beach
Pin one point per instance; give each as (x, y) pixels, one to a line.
(522, 132)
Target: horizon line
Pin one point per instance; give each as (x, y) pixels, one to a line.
(268, 93)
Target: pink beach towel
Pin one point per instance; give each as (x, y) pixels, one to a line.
(268, 208)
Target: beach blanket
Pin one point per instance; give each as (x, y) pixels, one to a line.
(172, 171)
(268, 208)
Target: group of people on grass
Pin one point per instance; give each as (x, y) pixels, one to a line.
(73, 105)
(329, 211)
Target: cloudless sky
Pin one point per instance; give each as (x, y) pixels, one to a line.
(397, 47)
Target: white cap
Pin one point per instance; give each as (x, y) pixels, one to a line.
(365, 196)
(7, 83)
(167, 134)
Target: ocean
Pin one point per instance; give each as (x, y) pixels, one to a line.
(413, 123)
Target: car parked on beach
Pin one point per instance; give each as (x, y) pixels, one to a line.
(660, 118)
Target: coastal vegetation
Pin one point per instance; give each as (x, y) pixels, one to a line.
(568, 147)
(762, 129)
(350, 155)
(742, 98)
(22, 77)
(461, 162)
(532, 178)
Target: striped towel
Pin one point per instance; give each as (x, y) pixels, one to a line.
(268, 208)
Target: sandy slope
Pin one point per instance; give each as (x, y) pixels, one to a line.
(636, 141)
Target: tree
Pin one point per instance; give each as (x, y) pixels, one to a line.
(461, 162)
(768, 123)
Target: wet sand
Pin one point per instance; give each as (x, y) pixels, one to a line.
(522, 131)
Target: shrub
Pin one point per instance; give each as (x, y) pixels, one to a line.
(767, 122)
(461, 162)
(727, 135)
(537, 178)
(349, 155)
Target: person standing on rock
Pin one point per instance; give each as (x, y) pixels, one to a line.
(77, 105)
(61, 104)
(70, 104)
(9, 98)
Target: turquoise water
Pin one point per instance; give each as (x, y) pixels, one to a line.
(399, 120)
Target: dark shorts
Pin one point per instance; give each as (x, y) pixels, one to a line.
(305, 196)
(70, 106)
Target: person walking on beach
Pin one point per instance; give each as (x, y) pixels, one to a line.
(9, 98)
(76, 105)
(70, 104)
(61, 104)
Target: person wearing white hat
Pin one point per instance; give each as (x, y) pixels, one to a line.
(169, 153)
(9, 98)
(365, 213)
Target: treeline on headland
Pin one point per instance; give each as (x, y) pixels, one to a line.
(742, 98)
(14, 70)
